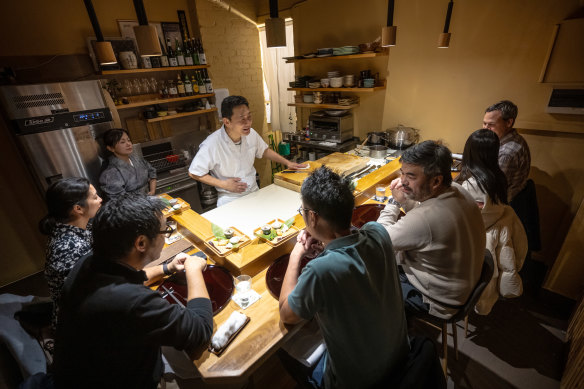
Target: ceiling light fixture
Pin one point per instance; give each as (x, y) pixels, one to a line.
(275, 27)
(103, 50)
(388, 33)
(146, 35)
(444, 38)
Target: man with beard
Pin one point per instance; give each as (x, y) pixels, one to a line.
(440, 242)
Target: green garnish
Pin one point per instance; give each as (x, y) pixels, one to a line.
(217, 231)
(165, 202)
(270, 236)
(290, 221)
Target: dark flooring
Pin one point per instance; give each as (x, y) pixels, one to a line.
(520, 344)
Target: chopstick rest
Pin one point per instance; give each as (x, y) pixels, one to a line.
(227, 332)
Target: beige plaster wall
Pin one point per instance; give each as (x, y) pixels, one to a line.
(496, 52)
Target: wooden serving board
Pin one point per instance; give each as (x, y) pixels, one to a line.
(340, 163)
(168, 211)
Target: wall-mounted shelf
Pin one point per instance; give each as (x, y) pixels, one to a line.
(376, 88)
(164, 69)
(181, 115)
(162, 101)
(327, 106)
(334, 57)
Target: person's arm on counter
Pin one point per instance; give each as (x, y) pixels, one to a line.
(155, 272)
(303, 245)
(151, 178)
(233, 184)
(273, 156)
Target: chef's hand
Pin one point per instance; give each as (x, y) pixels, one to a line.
(235, 185)
(193, 263)
(296, 166)
(397, 190)
(178, 262)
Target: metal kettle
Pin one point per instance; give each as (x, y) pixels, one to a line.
(401, 137)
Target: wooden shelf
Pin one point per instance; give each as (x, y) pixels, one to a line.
(181, 115)
(164, 69)
(351, 56)
(327, 106)
(344, 89)
(162, 101)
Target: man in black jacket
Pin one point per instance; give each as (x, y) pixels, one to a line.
(111, 326)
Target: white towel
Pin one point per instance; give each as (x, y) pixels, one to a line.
(307, 345)
(225, 330)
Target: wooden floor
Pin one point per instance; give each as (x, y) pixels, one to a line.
(518, 345)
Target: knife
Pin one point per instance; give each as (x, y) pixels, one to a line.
(354, 174)
(293, 171)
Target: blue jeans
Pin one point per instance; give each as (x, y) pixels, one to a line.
(414, 304)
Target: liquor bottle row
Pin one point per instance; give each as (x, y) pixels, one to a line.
(197, 83)
(189, 53)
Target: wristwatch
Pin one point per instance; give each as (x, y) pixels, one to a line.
(393, 201)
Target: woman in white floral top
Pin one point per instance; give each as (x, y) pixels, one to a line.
(71, 202)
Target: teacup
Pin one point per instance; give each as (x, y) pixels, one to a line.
(325, 82)
(368, 82)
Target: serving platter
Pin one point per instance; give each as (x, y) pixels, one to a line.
(279, 239)
(218, 281)
(213, 243)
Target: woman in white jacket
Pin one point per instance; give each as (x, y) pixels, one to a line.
(482, 177)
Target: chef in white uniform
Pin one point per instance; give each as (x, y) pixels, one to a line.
(225, 159)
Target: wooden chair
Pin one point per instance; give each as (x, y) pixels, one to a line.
(442, 324)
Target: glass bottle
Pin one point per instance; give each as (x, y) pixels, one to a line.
(195, 85)
(180, 86)
(188, 53)
(201, 83)
(188, 85)
(202, 57)
(172, 91)
(180, 57)
(208, 84)
(172, 61)
(195, 52)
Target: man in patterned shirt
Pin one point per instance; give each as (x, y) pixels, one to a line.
(514, 157)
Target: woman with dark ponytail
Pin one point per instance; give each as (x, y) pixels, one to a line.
(71, 203)
(482, 177)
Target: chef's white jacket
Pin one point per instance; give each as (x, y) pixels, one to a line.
(220, 157)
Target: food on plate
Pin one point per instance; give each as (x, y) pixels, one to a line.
(176, 206)
(229, 245)
(228, 232)
(266, 229)
(234, 240)
(276, 225)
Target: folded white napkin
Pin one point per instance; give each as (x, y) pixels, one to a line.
(307, 345)
(225, 330)
(252, 296)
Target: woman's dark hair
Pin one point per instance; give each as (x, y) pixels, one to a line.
(61, 197)
(329, 195)
(113, 136)
(231, 102)
(123, 219)
(480, 160)
(434, 157)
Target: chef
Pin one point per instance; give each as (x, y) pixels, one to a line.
(225, 159)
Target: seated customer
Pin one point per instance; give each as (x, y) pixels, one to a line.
(351, 288)
(125, 172)
(111, 326)
(482, 177)
(440, 242)
(514, 156)
(71, 203)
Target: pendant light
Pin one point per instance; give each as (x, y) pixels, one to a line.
(146, 35)
(103, 50)
(388, 33)
(275, 27)
(444, 38)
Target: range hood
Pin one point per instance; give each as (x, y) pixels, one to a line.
(570, 101)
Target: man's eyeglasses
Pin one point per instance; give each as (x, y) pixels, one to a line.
(302, 209)
(167, 232)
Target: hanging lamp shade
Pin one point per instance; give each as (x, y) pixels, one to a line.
(275, 27)
(389, 32)
(444, 37)
(146, 35)
(103, 50)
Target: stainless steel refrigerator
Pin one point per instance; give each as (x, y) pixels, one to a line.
(56, 126)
